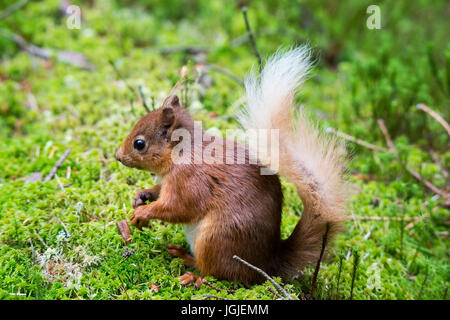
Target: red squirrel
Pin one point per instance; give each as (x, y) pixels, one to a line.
(233, 209)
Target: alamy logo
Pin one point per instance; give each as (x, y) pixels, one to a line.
(73, 13)
(210, 147)
(374, 20)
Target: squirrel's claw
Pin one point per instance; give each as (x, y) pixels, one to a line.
(138, 219)
(189, 278)
(142, 197)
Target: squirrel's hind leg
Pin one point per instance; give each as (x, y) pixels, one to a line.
(189, 278)
(179, 252)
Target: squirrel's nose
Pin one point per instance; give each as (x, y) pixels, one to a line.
(118, 154)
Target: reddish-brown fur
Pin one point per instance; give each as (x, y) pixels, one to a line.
(238, 210)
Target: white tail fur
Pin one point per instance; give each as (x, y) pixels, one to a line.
(312, 161)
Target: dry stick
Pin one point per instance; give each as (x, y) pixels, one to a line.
(57, 165)
(65, 186)
(61, 186)
(70, 57)
(414, 173)
(13, 8)
(438, 164)
(355, 140)
(265, 275)
(252, 38)
(275, 293)
(322, 250)
(386, 134)
(427, 183)
(209, 284)
(436, 116)
(141, 94)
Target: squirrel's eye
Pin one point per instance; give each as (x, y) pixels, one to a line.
(139, 144)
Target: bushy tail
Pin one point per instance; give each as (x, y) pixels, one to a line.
(311, 161)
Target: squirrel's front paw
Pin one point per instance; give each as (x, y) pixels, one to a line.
(142, 197)
(140, 218)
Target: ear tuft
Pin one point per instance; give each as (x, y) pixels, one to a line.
(172, 101)
(167, 116)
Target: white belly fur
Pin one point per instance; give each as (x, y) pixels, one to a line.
(190, 231)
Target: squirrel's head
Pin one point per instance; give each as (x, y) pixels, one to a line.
(149, 145)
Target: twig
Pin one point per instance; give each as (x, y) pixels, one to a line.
(427, 183)
(13, 8)
(386, 134)
(436, 116)
(57, 165)
(70, 57)
(414, 173)
(65, 186)
(275, 293)
(141, 94)
(265, 275)
(322, 250)
(355, 140)
(209, 284)
(438, 164)
(61, 186)
(252, 38)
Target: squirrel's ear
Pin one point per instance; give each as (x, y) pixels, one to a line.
(167, 116)
(172, 101)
